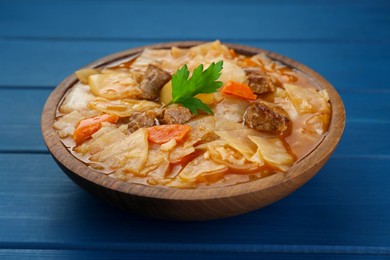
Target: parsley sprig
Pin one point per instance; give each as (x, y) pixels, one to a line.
(202, 81)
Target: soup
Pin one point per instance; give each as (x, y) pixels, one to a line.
(200, 117)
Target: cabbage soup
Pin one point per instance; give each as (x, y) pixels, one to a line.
(198, 117)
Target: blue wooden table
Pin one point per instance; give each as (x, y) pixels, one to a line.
(343, 213)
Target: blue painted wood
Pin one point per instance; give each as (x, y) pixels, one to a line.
(346, 204)
(364, 140)
(342, 213)
(348, 66)
(10, 254)
(174, 19)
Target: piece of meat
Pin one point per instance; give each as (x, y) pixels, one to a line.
(153, 81)
(143, 119)
(176, 115)
(266, 117)
(259, 81)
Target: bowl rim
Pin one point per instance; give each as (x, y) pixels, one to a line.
(314, 159)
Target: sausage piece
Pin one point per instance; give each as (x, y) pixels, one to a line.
(259, 81)
(266, 117)
(153, 81)
(176, 115)
(143, 119)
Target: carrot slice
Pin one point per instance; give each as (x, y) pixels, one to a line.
(88, 126)
(239, 90)
(164, 133)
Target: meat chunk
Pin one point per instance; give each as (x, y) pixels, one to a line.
(153, 81)
(266, 117)
(176, 115)
(259, 81)
(143, 119)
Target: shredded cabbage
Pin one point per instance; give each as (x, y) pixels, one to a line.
(130, 154)
(67, 123)
(238, 140)
(122, 107)
(200, 166)
(78, 99)
(273, 152)
(308, 100)
(114, 84)
(231, 108)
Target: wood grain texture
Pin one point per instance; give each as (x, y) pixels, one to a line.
(176, 254)
(191, 204)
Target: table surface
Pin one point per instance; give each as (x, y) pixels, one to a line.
(342, 213)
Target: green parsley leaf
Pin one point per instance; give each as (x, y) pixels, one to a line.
(202, 81)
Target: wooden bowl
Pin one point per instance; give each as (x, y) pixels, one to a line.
(192, 204)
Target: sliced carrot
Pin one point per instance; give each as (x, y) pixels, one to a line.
(239, 90)
(164, 133)
(87, 127)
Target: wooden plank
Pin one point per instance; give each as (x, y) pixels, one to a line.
(21, 129)
(21, 254)
(364, 140)
(248, 19)
(46, 63)
(346, 204)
